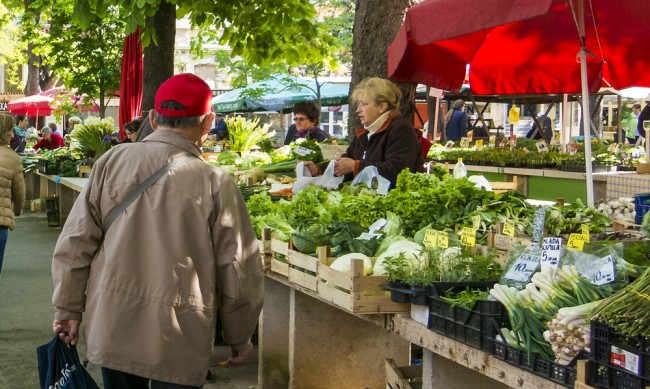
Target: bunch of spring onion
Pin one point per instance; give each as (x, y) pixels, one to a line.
(527, 321)
(569, 332)
(628, 310)
(584, 291)
(554, 287)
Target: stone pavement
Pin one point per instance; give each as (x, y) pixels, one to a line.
(26, 311)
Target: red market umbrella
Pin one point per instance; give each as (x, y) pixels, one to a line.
(576, 46)
(131, 80)
(35, 105)
(517, 47)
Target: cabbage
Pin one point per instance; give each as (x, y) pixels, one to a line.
(344, 263)
(411, 251)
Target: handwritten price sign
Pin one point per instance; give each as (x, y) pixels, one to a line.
(430, 238)
(509, 228)
(468, 237)
(576, 242)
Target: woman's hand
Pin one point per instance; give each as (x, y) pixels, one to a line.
(343, 166)
(313, 169)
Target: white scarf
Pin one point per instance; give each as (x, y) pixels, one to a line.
(377, 123)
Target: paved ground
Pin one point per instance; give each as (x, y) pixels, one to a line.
(26, 311)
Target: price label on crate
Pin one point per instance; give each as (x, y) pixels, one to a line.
(604, 271)
(464, 142)
(625, 359)
(551, 251)
(449, 145)
(523, 268)
(468, 237)
(476, 222)
(443, 239)
(541, 146)
(478, 144)
(509, 228)
(584, 228)
(493, 140)
(576, 242)
(430, 238)
(303, 151)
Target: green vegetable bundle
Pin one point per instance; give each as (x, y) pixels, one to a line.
(244, 133)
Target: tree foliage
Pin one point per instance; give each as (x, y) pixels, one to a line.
(11, 47)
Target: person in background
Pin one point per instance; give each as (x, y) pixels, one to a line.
(72, 121)
(115, 138)
(54, 128)
(145, 129)
(456, 121)
(220, 127)
(49, 140)
(306, 116)
(18, 141)
(291, 134)
(387, 142)
(150, 309)
(547, 123)
(631, 133)
(12, 183)
(131, 130)
(643, 116)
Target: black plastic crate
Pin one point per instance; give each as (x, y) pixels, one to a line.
(627, 354)
(49, 168)
(611, 378)
(52, 210)
(562, 374)
(439, 288)
(400, 292)
(474, 327)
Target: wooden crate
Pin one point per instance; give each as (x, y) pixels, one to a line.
(405, 377)
(623, 226)
(356, 293)
(278, 247)
(303, 269)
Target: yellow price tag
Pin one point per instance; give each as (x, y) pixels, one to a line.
(576, 242)
(585, 232)
(509, 228)
(431, 238)
(468, 237)
(443, 240)
(476, 222)
(479, 143)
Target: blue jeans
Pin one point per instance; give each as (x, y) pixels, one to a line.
(4, 233)
(115, 379)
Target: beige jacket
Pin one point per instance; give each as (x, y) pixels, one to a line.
(12, 187)
(149, 291)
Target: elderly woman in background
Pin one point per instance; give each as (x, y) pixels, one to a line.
(387, 142)
(12, 183)
(456, 121)
(50, 140)
(306, 115)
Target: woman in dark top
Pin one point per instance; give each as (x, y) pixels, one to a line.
(387, 142)
(306, 115)
(456, 121)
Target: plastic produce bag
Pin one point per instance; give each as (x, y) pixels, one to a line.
(370, 176)
(59, 367)
(327, 180)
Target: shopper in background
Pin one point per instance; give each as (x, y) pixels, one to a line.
(220, 127)
(131, 130)
(54, 129)
(631, 128)
(49, 140)
(387, 142)
(547, 124)
(12, 183)
(643, 116)
(18, 141)
(145, 129)
(72, 121)
(291, 134)
(306, 116)
(456, 121)
(150, 303)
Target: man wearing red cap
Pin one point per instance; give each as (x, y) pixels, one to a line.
(147, 258)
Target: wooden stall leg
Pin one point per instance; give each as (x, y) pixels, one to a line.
(273, 345)
(441, 373)
(329, 348)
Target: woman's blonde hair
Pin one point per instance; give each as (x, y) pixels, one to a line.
(380, 91)
(7, 124)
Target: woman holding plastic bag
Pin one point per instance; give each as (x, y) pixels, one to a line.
(386, 142)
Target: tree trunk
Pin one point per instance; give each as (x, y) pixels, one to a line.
(159, 57)
(375, 25)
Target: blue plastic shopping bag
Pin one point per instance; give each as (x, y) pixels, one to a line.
(59, 367)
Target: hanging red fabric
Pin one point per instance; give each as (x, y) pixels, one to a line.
(131, 80)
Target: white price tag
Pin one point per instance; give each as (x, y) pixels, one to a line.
(541, 146)
(523, 268)
(303, 151)
(605, 271)
(550, 253)
(378, 225)
(368, 236)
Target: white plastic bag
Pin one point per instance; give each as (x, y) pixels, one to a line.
(304, 178)
(370, 176)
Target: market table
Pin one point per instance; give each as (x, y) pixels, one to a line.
(307, 342)
(65, 189)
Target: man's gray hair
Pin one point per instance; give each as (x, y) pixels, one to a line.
(176, 121)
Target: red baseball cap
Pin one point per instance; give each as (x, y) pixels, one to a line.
(188, 90)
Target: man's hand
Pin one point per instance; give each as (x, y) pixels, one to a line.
(238, 358)
(67, 330)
